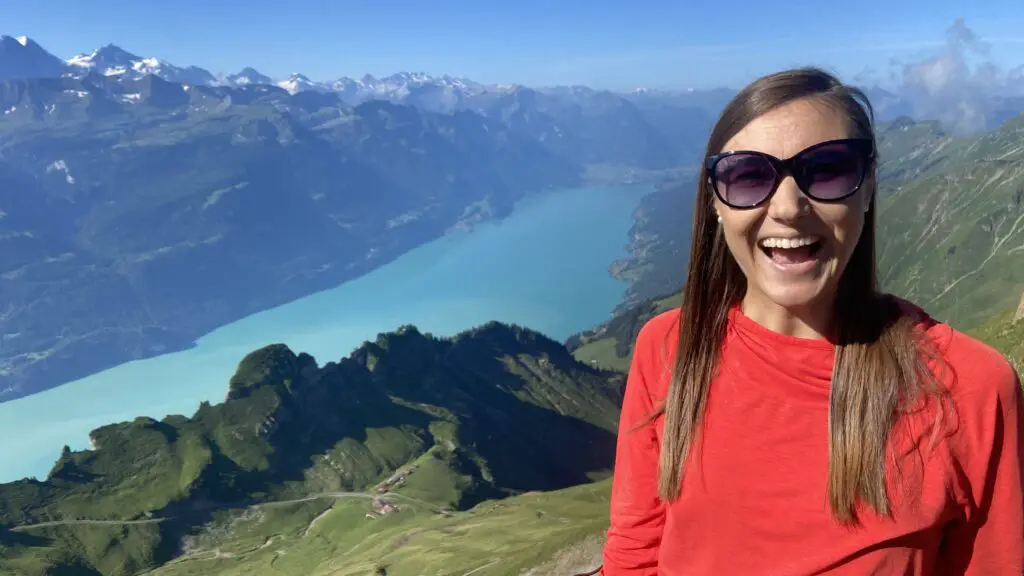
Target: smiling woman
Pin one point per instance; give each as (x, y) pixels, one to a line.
(792, 246)
(792, 419)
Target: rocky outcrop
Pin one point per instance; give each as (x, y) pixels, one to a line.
(1020, 311)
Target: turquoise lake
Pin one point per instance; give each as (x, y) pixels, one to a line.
(544, 267)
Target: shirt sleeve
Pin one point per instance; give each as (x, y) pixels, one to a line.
(637, 513)
(989, 539)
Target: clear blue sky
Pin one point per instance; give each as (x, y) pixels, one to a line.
(655, 43)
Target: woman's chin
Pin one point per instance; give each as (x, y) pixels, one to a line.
(795, 295)
(794, 287)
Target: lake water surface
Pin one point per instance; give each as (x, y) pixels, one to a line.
(544, 267)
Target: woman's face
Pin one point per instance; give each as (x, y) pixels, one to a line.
(764, 240)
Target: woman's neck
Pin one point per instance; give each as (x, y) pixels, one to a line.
(815, 321)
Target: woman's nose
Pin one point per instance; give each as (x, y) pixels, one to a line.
(788, 204)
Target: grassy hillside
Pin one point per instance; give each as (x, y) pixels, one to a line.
(504, 537)
(952, 238)
(1005, 333)
(493, 538)
(659, 242)
(610, 345)
(427, 424)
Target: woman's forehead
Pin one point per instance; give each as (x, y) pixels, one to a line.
(790, 128)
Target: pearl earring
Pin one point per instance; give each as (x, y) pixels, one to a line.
(719, 218)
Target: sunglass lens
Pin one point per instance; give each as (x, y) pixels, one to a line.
(832, 172)
(744, 180)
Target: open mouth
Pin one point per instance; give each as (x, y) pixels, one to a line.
(791, 251)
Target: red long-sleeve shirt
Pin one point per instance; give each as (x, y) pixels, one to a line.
(754, 500)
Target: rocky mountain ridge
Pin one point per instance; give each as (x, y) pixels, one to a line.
(446, 414)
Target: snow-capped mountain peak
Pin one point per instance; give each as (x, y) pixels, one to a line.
(248, 76)
(112, 60)
(25, 58)
(11, 41)
(24, 41)
(299, 82)
(22, 57)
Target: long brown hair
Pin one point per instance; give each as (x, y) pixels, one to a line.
(880, 362)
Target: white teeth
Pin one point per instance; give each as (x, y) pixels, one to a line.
(788, 242)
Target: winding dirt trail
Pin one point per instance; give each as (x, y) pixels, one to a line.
(332, 495)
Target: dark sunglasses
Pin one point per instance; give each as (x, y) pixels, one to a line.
(827, 172)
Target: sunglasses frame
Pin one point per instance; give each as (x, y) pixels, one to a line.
(786, 167)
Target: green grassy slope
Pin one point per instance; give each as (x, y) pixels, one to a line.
(493, 412)
(493, 538)
(1005, 332)
(610, 345)
(952, 238)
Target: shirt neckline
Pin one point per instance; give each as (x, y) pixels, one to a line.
(744, 323)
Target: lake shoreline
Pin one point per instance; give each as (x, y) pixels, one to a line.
(332, 322)
(99, 357)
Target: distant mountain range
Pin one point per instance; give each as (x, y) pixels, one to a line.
(663, 128)
(173, 201)
(130, 179)
(23, 58)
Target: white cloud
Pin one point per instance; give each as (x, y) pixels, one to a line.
(961, 84)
